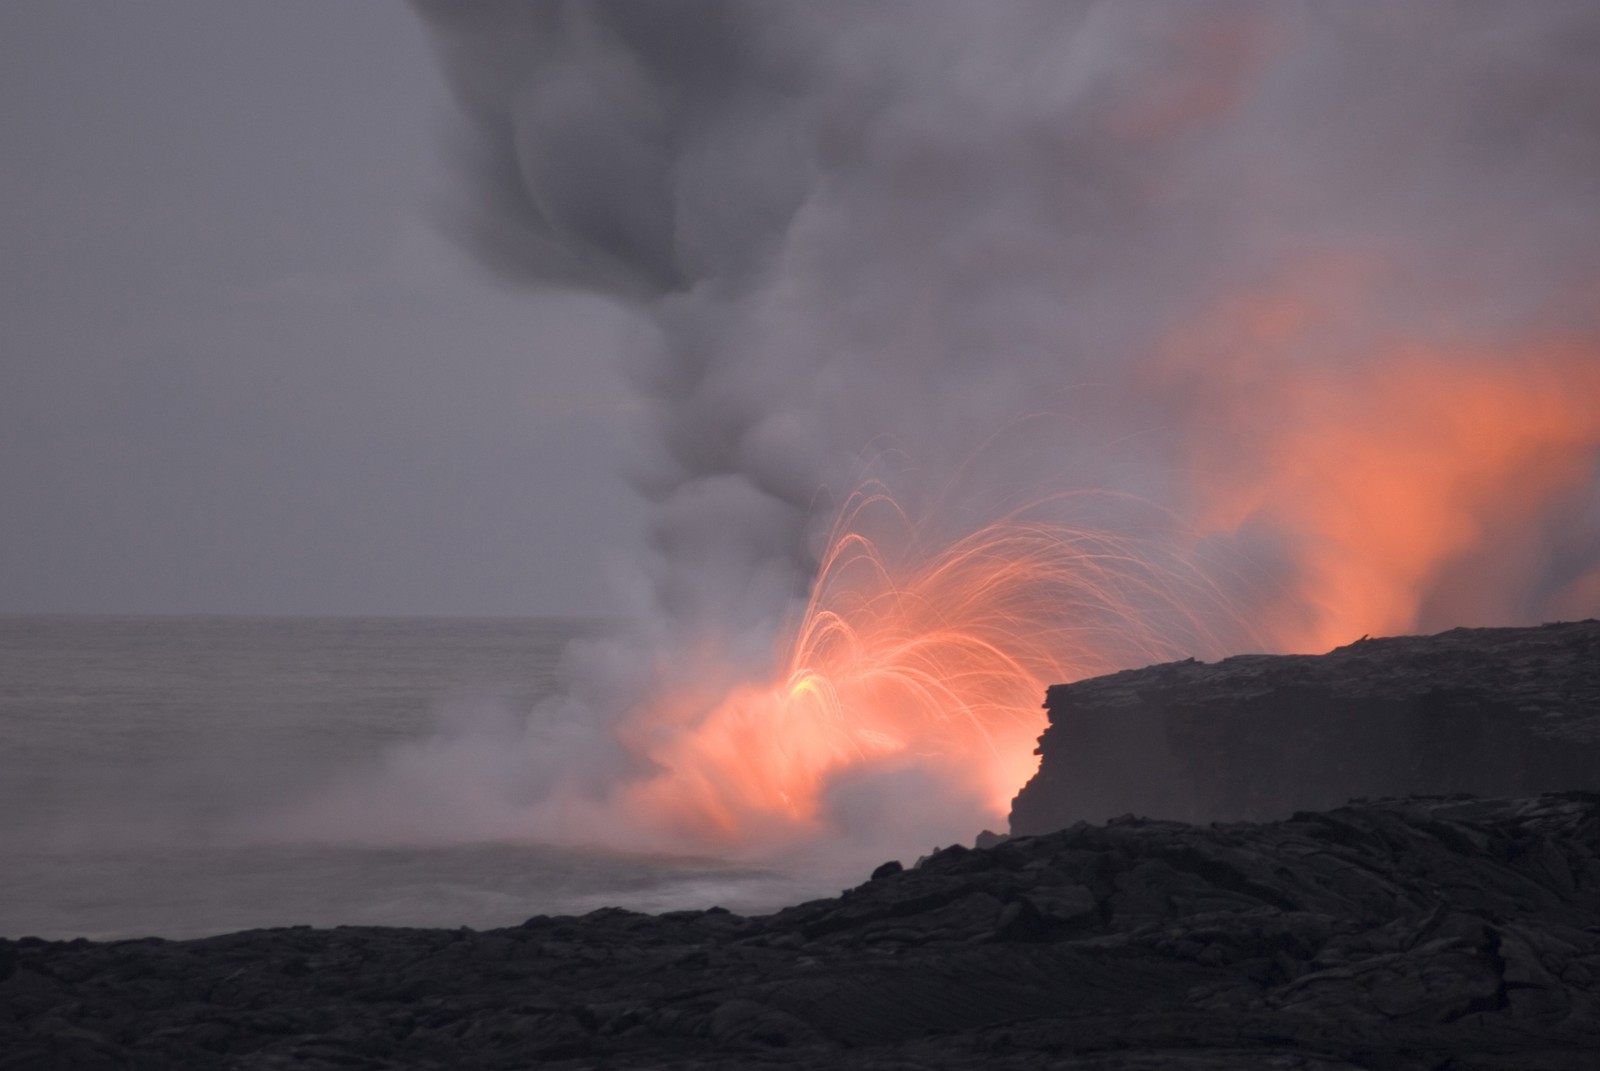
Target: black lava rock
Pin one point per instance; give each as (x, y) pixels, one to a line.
(1493, 712)
(1415, 933)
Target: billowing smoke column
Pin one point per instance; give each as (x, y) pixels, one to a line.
(1236, 324)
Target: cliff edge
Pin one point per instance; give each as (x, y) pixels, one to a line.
(1492, 711)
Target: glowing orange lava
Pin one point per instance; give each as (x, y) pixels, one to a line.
(1387, 485)
(936, 656)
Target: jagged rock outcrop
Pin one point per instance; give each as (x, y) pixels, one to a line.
(1495, 712)
(1424, 933)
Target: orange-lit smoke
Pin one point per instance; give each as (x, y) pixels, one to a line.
(1375, 476)
(935, 655)
(1313, 282)
(1408, 484)
(1388, 478)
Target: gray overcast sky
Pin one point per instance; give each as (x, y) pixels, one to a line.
(240, 371)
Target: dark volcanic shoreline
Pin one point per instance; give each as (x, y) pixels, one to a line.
(1441, 931)
(1422, 933)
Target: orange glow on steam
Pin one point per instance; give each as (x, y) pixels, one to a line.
(1385, 486)
(938, 658)
(1408, 483)
(1389, 477)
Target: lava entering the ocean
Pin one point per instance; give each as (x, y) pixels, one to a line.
(1377, 489)
(1312, 285)
(924, 658)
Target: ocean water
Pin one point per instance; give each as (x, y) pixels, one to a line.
(137, 755)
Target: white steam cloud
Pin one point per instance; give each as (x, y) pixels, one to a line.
(993, 252)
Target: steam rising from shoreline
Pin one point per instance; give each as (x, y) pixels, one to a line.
(1315, 285)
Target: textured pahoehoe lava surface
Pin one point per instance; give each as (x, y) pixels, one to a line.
(1491, 711)
(1421, 933)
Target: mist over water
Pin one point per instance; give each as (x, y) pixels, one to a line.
(171, 776)
(1292, 303)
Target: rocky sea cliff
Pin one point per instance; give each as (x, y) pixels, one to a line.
(1431, 931)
